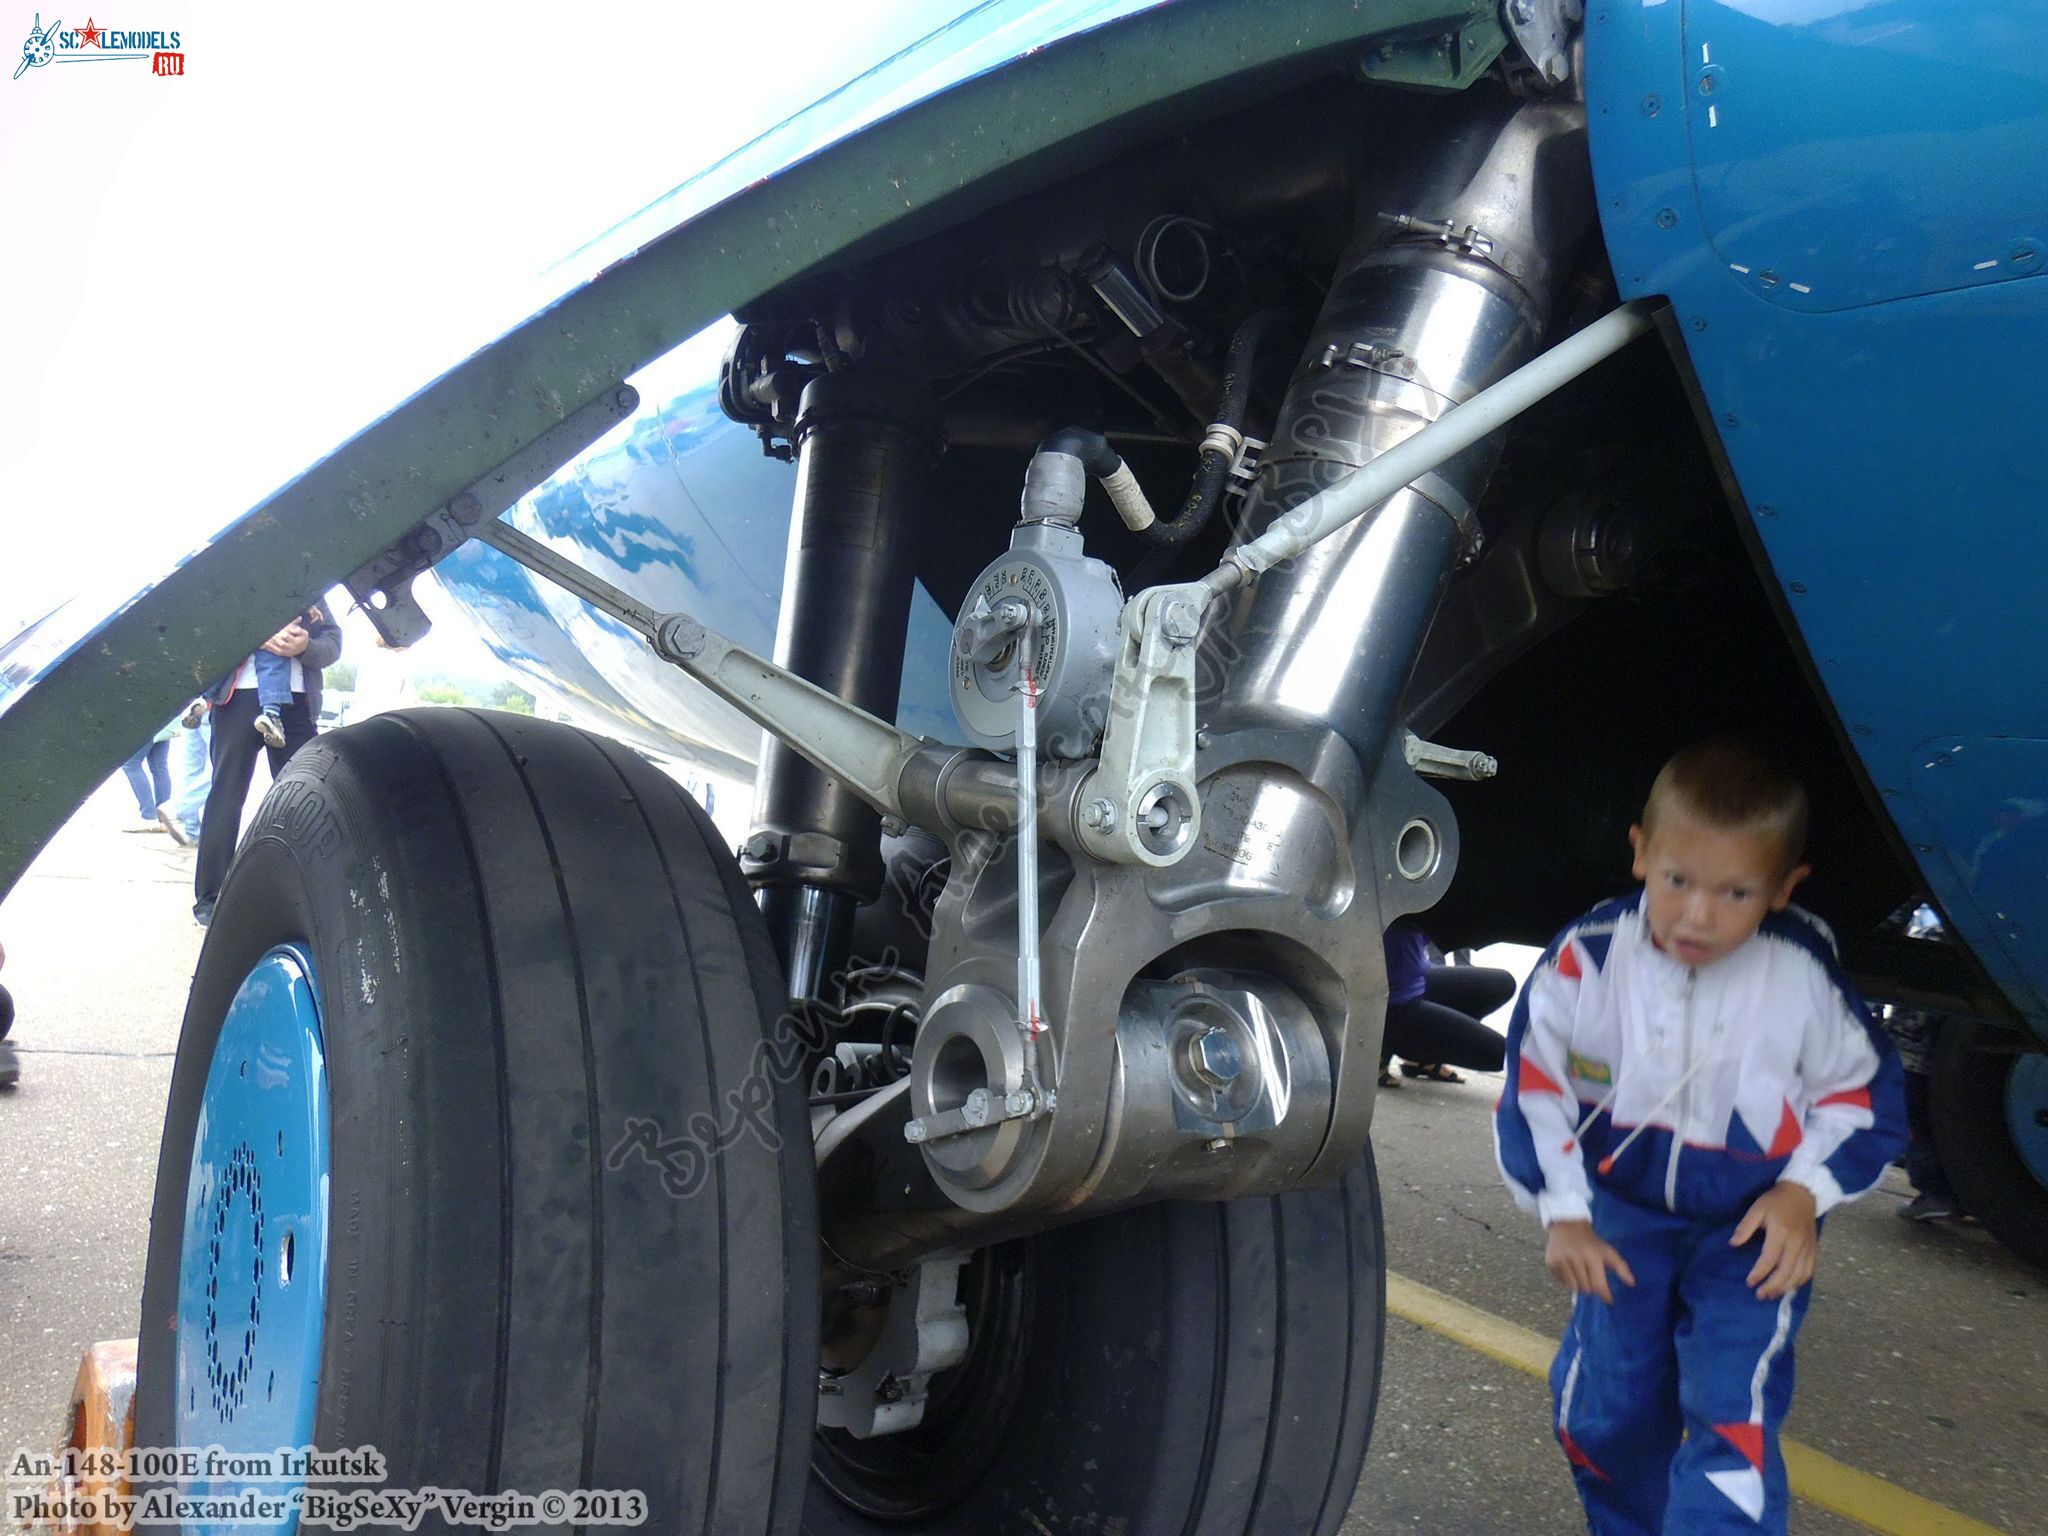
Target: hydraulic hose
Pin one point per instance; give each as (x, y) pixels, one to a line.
(1225, 438)
(1219, 450)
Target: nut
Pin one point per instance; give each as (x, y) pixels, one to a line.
(1216, 1058)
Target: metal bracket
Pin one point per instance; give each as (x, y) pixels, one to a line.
(1433, 761)
(924, 1333)
(1471, 241)
(383, 586)
(1140, 805)
(1244, 468)
(1541, 32)
(980, 1110)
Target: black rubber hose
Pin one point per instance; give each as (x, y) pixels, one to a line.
(1213, 472)
(1091, 448)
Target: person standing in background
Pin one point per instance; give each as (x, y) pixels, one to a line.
(191, 774)
(149, 775)
(312, 643)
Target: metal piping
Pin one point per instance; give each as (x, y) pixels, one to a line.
(1437, 299)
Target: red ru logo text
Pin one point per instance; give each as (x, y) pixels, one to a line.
(168, 64)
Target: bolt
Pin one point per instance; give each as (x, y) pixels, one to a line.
(1011, 613)
(760, 848)
(914, 1131)
(1019, 1104)
(1652, 106)
(1218, 1144)
(1216, 1058)
(1708, 81)
(1203, 737)
(1523, 12)
(1098, 816)
(1667, 218)
(680, 638)
(1798, 586)
(894, 826)
(1698, 324)
(625, 399)
(1768, 279)
(1181, 622)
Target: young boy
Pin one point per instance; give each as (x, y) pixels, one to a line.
(1691, 1085)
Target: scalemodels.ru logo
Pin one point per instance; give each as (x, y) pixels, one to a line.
(93, 43)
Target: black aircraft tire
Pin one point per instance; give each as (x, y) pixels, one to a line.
(1967, 1112)
(1200, 1368)
(523, 941)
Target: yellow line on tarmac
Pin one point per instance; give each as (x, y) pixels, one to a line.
(1870, 1501)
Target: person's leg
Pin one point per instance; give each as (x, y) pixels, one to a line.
(234, 762)
(192, 774)
(136, 769)
(1735, 1384)
(299, 728)
(1473, 989)
(1937, 1196)
(159, 758)
(1614, 1384)
(1426, 1031)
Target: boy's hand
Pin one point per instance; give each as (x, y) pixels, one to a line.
(1784, 1213)
(1578, 1259)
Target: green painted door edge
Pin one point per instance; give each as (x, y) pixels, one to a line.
(936, 160)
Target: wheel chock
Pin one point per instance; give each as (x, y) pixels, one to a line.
(92, 1476)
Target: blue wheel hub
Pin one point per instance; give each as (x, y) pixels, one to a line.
(2026, 1112)
(252, 1281)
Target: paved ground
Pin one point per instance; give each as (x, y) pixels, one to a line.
(1925, 1361)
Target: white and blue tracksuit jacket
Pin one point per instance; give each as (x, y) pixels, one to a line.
(1659, 1101)
(1762, 1066)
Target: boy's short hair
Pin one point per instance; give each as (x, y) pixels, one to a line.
(1737, 787)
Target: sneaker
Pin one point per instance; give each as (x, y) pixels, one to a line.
(171, 826)
(1932, 1208)
(202, 913)
(270, 726)
(10, 1066)
(145, 825)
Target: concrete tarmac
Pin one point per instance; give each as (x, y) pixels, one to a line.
(1924, 1361)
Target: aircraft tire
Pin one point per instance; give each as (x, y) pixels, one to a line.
(470, 983)
(1185, 1366)
(1972, 1105)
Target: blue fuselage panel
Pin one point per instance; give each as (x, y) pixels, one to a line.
(1846, 204)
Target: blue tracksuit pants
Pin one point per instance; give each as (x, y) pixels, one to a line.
(1689, 1348)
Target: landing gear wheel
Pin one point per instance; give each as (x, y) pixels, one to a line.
(430, 1178)
(1989, 1112)
(1208, 1367)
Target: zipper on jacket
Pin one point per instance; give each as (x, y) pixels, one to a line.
(1684, 1113)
